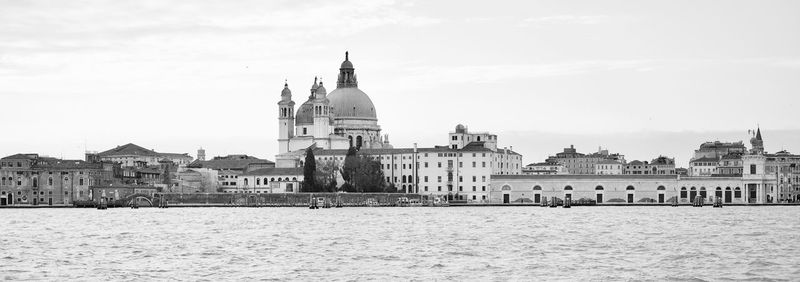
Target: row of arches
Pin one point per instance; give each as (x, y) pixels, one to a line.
(598, 188)
(273, 179)
(599, 193)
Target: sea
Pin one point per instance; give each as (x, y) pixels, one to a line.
(402, 244)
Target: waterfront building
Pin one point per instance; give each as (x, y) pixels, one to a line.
(622, 189)
(268, 180)
(608, 167)
(579, 163)
(544, 168)
(345, 118)
(39, 180)
(132, 155)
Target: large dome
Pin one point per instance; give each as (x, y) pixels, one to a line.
(351, 102)
(305, 114)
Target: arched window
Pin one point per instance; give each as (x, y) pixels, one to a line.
(50, 181)
(272, 179)
(279, 179)
(19, 181)
(66, 179)
(537, 188)
(4, 181)
(359, 141)
(661, 188)
(630, 187)
(35, 182)
(404, 179)
(293, 178)
(258, 181)
(683, 192)
(80, 181)
(506, 188)
(245, 182)
(568, 187)
(737, 193)
(350, 138)
(599, 188)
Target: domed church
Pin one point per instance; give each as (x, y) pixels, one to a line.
(346, 117)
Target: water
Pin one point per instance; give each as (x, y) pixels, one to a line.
(456, 243)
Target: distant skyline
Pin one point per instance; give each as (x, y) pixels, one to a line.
(639, 78)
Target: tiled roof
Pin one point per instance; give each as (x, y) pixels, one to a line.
(22, 156)
(133, 149)
(223, 164)
(705, 159)
(128, 149)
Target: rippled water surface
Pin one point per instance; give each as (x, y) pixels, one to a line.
(456, 243)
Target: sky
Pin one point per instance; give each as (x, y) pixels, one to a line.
(642, 78)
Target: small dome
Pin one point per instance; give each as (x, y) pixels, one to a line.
(286, 91)
(460, 128)
(346, 65)
(321, 89)
(351, 102)
(305, 114)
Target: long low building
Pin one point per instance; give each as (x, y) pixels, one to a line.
(612, 189)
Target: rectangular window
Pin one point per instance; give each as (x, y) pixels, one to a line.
(439, 179)
(426, 180)
(440, 188)
(440, 164)
(474, 189)
(460, 188)
(752, 169)
(484, 164)
(474, 178)
(460, 179)
(474, 164)
(426, 188)
(483, 188)
(483, 178)
(426, 164)
(460, 164)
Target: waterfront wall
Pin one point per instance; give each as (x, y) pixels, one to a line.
(280, 199)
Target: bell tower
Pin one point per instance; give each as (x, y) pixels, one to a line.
(285, 119)
(322, 117)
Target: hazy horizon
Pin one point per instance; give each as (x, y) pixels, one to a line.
(641, 79)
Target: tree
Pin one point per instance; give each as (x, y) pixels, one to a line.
(326, 175)
(368, 176)
(350, 164)
(309, 169)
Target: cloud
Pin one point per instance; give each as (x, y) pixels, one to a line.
(565, 19)
(432, 75)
